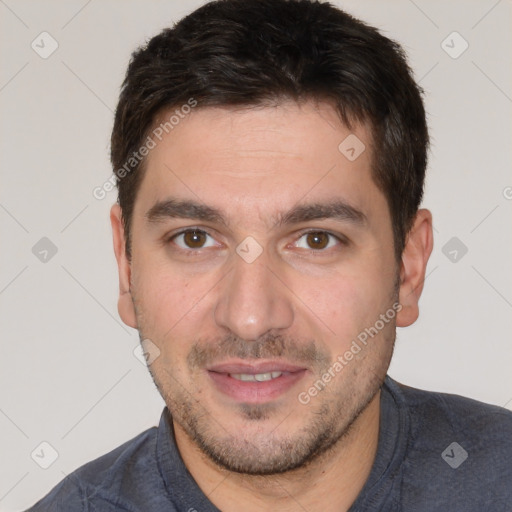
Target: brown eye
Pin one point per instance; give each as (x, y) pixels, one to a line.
(317, 240)
(193, 239)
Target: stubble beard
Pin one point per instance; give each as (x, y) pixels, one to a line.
(271, 451)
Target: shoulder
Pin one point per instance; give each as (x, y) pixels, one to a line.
(447, 414)
(459, 450)
(108, 481)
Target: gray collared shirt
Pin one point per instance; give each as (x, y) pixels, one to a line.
(436, 452)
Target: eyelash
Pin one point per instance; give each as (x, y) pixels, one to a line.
(189, 230)
(341, 240)
(338, 239)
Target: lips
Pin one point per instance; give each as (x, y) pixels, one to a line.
(255, 383)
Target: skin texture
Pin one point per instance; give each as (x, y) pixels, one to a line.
(302, 301)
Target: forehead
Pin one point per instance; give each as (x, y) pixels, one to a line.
(261, 160)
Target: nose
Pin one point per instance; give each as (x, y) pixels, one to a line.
(253, 300)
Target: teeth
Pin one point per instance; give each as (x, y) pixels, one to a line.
(259, 377)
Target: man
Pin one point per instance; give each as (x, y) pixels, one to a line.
(270, 158)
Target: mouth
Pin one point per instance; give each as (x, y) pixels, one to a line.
(255, 383)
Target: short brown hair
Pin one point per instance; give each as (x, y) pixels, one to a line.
(251, 52)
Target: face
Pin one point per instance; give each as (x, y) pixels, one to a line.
(263, 274)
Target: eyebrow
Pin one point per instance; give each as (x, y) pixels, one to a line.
(185, 209)
(174, 208)
(336, 210)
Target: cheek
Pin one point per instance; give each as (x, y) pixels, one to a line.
(344, 304)
(174, 307)
(165, 310)
(163, 297)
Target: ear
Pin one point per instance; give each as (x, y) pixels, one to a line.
(125, 303)
(413, 266)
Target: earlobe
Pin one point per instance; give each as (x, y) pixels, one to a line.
(125, 303)
(413, 267)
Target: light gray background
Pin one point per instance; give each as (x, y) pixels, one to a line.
(68, 375)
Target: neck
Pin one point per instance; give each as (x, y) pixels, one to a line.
(331, 482)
